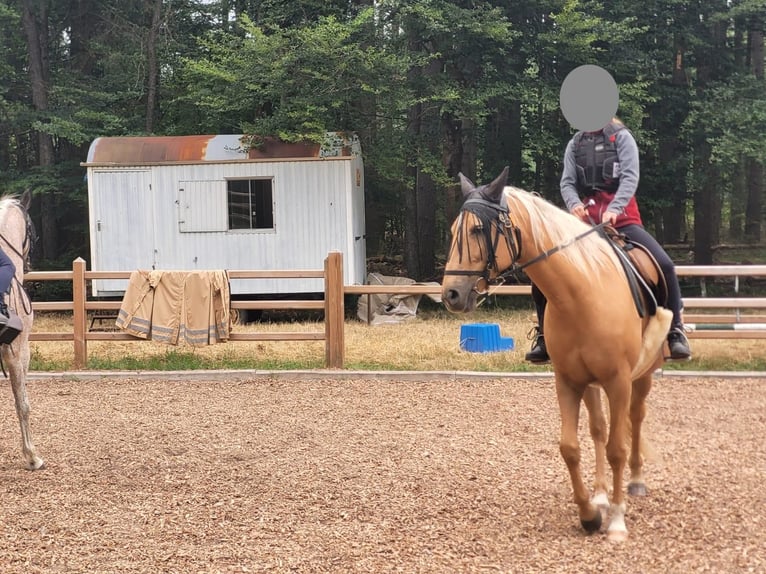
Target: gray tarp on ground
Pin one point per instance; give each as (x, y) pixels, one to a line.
(386, 308)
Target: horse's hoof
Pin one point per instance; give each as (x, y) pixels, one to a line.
(593, 524)
(617, 535)
(38, 464)
(637, 489)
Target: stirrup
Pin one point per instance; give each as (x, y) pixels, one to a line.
(10, 328)
(677, 338)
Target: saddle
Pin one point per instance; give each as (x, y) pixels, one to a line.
(644, 275)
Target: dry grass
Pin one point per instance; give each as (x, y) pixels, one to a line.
(428, 343)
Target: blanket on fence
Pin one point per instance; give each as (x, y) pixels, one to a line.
(177, 307)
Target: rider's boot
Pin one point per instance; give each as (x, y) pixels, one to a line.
(10, 323)
(538, 353)
(678, 344)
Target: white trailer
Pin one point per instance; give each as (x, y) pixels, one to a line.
(214, 202)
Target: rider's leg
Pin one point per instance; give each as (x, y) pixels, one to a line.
(539, 353)
(677, 341)
(7, 271)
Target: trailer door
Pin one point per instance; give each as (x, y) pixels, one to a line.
(122, 225)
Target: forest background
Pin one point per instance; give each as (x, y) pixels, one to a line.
(431, 87)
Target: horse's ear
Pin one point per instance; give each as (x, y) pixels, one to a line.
(26, 199)
(495, 189)
(466, 185)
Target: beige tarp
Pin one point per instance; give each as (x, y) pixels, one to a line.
(385, 308)
(177, 307)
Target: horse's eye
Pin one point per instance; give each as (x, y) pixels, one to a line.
(477, 230)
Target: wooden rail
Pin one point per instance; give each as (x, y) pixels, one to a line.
(332, 305)
(731, 324)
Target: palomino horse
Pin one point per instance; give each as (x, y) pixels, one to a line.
(595, 336)
(16, 237)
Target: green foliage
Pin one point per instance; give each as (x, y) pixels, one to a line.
(421, 82)
(295, 83)
(733, 115)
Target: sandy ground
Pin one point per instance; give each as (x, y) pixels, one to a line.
(265, 475)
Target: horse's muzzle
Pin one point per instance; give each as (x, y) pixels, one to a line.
(459, 301)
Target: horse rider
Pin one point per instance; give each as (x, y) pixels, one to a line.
(603, 167)
(10, 324)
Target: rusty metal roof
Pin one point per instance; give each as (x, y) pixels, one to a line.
(200, 148)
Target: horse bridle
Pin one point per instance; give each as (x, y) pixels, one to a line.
(30, 238)
(512, 235)
(483, 209)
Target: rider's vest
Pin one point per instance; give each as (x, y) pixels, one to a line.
(598, 167)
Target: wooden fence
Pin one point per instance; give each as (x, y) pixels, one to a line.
(731, 322)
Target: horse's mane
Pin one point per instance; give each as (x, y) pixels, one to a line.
(589, 253)
(6, 201)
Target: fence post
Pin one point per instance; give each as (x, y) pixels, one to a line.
(79, 316)
(334, 312)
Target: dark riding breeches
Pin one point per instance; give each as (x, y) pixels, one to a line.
(7, 271)
(638, 234)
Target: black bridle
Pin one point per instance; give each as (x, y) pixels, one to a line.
(492, 215)
(497, 215)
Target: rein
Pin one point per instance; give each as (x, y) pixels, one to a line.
(564, 245)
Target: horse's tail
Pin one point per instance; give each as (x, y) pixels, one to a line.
(646, 450)
(654, 335)
(653, 338)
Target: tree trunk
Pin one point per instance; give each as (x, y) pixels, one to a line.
(425, 135)
(704, 208)
(35, 26)
(755, 168)
(673, 218)
(502, 143)
(153, 66)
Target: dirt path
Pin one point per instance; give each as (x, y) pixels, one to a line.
(367, 476)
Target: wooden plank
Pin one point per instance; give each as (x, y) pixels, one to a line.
(725, 302)
(725, 319)
(48, 276)
(721, 270)
(52, 305)
(79, 315)
(334, 311)
(726, 334)
(426, 290)
(285, 304)
(107, 274)
(277, 274)
(111, 336)
(103, 305)
(47, 336)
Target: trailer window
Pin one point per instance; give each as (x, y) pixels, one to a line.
(250, 204)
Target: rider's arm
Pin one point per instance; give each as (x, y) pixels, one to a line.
(568, 185)
(627, 154)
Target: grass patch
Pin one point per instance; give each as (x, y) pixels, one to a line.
(429, 342)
